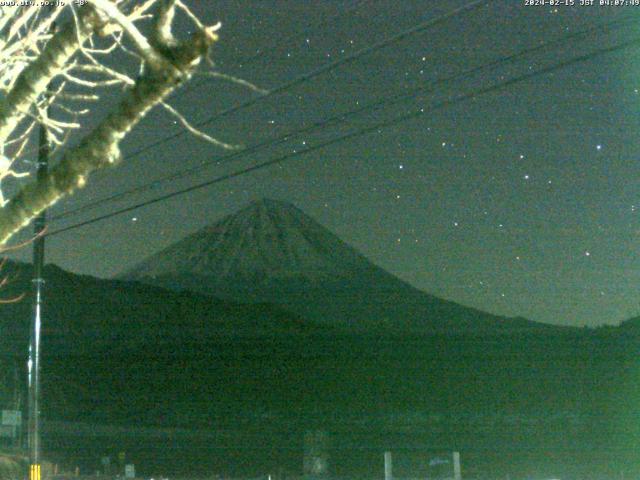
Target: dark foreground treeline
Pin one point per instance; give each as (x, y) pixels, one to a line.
(562, 405)
(558, 402)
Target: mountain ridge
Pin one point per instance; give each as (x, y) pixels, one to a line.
(260, 224)
(271, 251)
(85, 314)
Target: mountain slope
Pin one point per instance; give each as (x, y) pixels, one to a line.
(272, 252)
(108, 339)
(134, 354)
(84, 315)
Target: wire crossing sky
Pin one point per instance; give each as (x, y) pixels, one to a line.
(348, 136)
(522, 200)
(414, 94)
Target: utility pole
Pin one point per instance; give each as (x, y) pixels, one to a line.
(457, 474)
(388, 466)
(40, 224)
(17, 404)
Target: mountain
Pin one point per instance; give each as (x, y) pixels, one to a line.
(131, 354)
(114, 350)
(85, 315)
(273, 252)
(105, 336)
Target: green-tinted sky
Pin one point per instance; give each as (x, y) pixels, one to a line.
(524, 201)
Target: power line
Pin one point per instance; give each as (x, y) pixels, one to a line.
(283, 40)
(322, 69)
(314, 73)
(395, 99)
(260, 54)
(319, 71)
(355, 134)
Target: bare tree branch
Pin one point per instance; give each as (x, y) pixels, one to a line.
(100, 148)
(144, 48)
(194, 131)
(50, 77)
(33, 80)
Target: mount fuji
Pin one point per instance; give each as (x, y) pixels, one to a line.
(273, 252)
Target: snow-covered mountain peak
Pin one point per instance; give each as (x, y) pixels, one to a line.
(272, 252)
(268, 239)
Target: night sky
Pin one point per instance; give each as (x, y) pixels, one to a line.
(524, 201)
